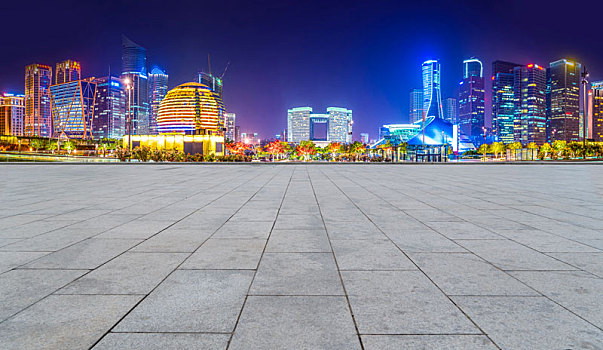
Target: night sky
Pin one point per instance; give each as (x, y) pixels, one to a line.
(363, 55)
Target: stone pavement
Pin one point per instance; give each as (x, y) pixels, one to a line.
(260, 256)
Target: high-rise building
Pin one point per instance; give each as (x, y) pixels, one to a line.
(364, 138)
(530, 104)
(211, 81)
(340, 124)
(67, 71)
(237, 133)
(563, 100)
(298, 124)
(109, 109)
(597, 111)
(229, 125)
(503, 100)
(471, 100)
(432, 97)
(12, 114)
(38, 119)
(416, 105)
(134, 76)
(158, 87)
(451, 110)
(73, 108)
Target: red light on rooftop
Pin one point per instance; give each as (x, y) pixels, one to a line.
(492, 77)
(530, 65)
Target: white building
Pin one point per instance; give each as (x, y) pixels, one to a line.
(301, 121)
(229, 125)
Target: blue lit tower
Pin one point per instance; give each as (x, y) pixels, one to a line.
(109, 108)
(158, 88)
(503, 103)
(134, 75)
(432, 98)
(530, 104)
(563, 100)
(471, 99)
(416, 105)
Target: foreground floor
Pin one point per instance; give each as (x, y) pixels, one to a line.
(301, 257)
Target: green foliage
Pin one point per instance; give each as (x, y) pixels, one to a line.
(142, 153)
(122, 153)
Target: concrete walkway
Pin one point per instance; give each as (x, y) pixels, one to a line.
(301, 257)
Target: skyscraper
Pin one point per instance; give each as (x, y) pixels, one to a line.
(211, 81)
(432, 98)
(229, 125)
(471, 99)
(529, 89)
(298, 124)
(416, 105)
(503, 103)
(12, 114)
(364, 138)
(67, 71)
(134, 75)
(340, 124)
(158, 88)
(73, 108)
(109, 109)
(38, 119)
(451, 110)
(597, 111)
(563, 100)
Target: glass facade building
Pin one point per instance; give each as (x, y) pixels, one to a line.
(563, 100)
(471, 99)
(67, 71)
(134, 75)
(73, 108)
(229, 125)
(109, 109)
(338, 125)
(529, 87)
(158, 87)
(596, 111)
(503, 102)
(12, 114)
(38, 115)
(451, 110)
(416, 105)
(432, 97)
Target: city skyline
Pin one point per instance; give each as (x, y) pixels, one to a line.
(259, 89)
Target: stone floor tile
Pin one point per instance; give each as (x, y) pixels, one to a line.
(10, 260)
(427, 342)
(591, 262)
(370, 255)
(244, 230)
(298, 222)
(298, 241)
(423, 241)
(162, 341)
(226, 254)
(174, 241)
(137, 229)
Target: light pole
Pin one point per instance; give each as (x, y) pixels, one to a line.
(585, 103)
(484, 133)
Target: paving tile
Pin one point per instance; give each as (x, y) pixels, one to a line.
(65, 321)
(51, 241)
(462, 230)
(129, 273)
(137, 229)
(161, 341)
(423, 241)
(7, 241)
(298, 241)
(591, 262)
(174, 241)
(370, 255)
(244, 230)
(427, 342)
(546, 242)
(191, 301)
(298, 222)
(297, 274)
(352, 230)
(530, 323)
(10, 260)
(226, 254)
(295, 322)
(402, 302)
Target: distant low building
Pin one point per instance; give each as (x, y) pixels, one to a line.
(12, 114)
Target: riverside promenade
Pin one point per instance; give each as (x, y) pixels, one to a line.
(296, 256)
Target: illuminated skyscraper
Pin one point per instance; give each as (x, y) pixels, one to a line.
(73, 108)
(471, 100)
(134, 75)
(563, 100)
(229, 125)
(416, 105)
(38, 119)
(298, 124)
(211, 81)
(597, 111)
(503, 103)
(432, 98)
(12, 114)
(364, 138)
(67, 71)
(109, 109)
(158, 87)
(451, 110)
(530, 104)
(340, 124)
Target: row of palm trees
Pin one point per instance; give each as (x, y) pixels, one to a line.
(555, 150)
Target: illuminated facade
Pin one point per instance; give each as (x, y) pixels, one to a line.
(529, 89)
(229, 125)
(67, 71)
(340, 125)
(432, 98)
(134, 75)
(416, 105)
(471, 99)
(158, 87)
(563, 100)
(298, 124)
(451, 110)
(38, 119)
(364, 138)
(109, 109)
(303, 125)
(191, 108)
(189, 144)
(319, 127)
(12, 114)
(503, 102)
(213, 82)
(597, 111)
(73, 108)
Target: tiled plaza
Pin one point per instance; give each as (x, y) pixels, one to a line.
(317, 256)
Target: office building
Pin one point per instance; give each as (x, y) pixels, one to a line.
(67, 71)
(334, 126)
(109, 120)
(471, 100)
(229, 126)
(237, 133)
(503, 101)
(158, 87)
(529, 89)
(298, 124)
(340, 124)
(38, 115)
(596, 111)
(134, 75)
(12, 114)
(416, 105)
(432, 98)
(364, 138)
(73, 108)
(563, 100)
(451, 110)
(211, 81)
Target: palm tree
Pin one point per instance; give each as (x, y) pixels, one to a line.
(545, 149)
(558, 148)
